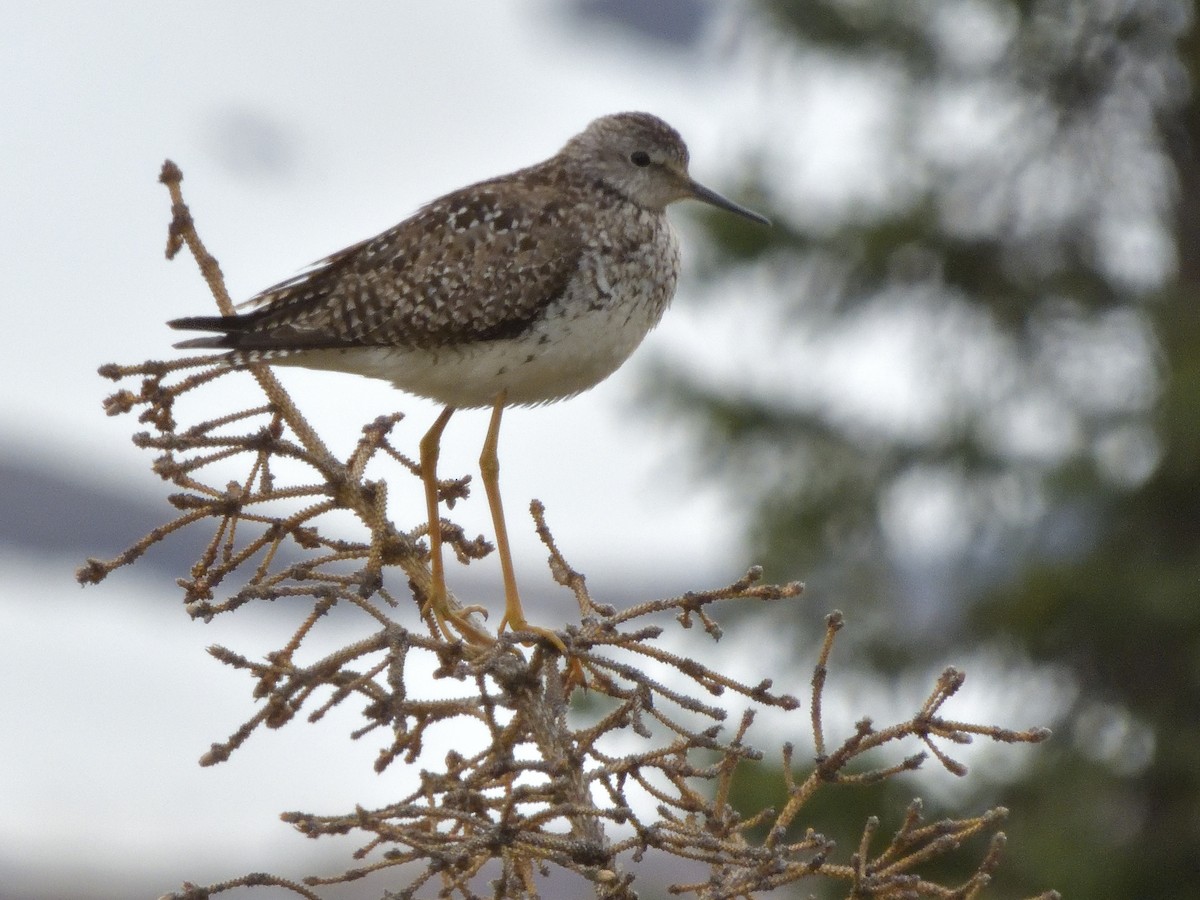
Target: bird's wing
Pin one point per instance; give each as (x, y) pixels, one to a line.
(478, 264)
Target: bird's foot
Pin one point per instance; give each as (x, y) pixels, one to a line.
(520, 625)
(455, 623)
(574, 676)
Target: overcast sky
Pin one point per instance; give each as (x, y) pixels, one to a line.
(301, 128)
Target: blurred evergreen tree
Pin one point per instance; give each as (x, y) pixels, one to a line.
(1019, 252)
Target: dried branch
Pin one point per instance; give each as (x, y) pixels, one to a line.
(652, 771)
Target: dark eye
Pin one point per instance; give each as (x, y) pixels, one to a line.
(640, 158)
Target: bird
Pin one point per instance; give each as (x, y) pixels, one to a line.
(519, 290)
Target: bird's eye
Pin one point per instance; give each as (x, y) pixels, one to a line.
(640, 158)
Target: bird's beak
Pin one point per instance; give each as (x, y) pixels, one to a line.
(711, 197)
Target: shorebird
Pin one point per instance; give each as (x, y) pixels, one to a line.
(520, 290)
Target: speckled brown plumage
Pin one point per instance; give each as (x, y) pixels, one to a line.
(539, 283)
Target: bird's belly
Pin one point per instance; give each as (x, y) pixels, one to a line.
(562, 354)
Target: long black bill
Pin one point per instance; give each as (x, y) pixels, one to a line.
(711, 197)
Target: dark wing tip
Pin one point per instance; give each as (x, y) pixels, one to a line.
(222, 342)
(206, 323)
(226, 340)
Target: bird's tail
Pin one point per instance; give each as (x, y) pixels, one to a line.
(229, 326)
(245, 347)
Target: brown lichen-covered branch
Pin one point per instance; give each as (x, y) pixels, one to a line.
(645, 766)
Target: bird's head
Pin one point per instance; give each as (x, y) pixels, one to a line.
(644, 159)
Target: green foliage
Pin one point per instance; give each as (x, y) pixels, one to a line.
(1056, 224)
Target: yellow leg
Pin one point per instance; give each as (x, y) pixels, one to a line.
(430, 446)
(438, 602)
(489, 469)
